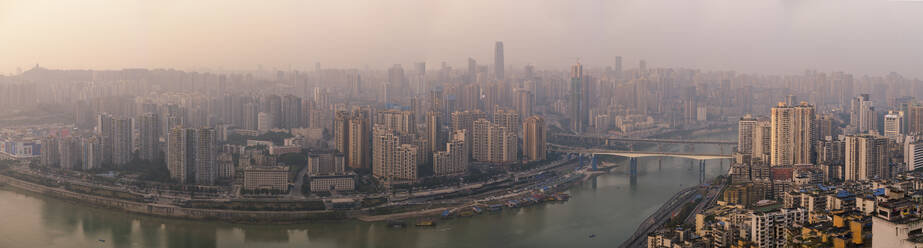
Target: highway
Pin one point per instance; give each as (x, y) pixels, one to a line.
(659, 217)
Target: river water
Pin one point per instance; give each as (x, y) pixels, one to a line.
(610, 207)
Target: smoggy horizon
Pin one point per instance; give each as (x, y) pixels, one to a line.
(762, 36)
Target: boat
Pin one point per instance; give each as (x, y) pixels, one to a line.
(592, 235)
(426, 223)
(397, 224)
(446, 214)
(476, 210)
(495, 207)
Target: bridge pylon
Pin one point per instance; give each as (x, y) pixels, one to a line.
(701, 172)
(633, 166)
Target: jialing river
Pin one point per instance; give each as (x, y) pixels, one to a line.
(609, 207)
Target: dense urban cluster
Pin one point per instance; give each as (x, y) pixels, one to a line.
(831, 164)
(841, 174)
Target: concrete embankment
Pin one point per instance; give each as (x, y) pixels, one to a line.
(237, 216)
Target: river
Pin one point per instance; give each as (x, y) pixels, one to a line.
(609, 206)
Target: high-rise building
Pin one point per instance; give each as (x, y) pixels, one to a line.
(469, 97)
(91, 153)
(464, 120)
(392, 162)
(265, 122)
(272, 105)
(206, 154)
(121, 141)
(149, 138)
(866, 157)
(914, 119)
(792, 138)
(250, 116)
(618, 66)
(401, 121)
(524, 102)
(825, 127)
(225, 165)
(498, 60)
(892, 125)
(69, 153)
(578, 109)
(862, 115)
(493, 143)
(745, 129)
(291, 112)
(341, 131)
(507, 118)
(359, 150)
(181, 154)
(49, 155)
(105, 131)
(762, 141)
(914, 155)
(533, 138)
(397, 81)
(454, 160)
(435, 136)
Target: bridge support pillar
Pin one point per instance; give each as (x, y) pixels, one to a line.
(594, 162)
(633, 167)
(701, 172)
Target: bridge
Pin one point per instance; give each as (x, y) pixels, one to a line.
(634, 155)
(638, 154)
(646, 140)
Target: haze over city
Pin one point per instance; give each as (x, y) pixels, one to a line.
(764, 36)
(482, 123)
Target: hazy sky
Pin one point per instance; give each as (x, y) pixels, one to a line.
(772, 36)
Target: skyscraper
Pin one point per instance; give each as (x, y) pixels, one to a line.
(392, 162)
(291, 112)
(493, 143)
(618, 66)
(578, 109)
(360, 140)
(434, 134)
(265, 122)
(401, 121)
(533, 138)
(507, 118)
(341, 131)
(206, 170)
(181, 154)
(792, 134)
(892, 125)
(762, 141)
(498, 60)
(464, 120)
(524, 102)
(149, 138)
(914, 119)
(745, 131)
(866, 158)
(454, 160)
(91, 153)
(121, 141)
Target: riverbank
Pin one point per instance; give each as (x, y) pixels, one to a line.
(170, 211)
(229, 215)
